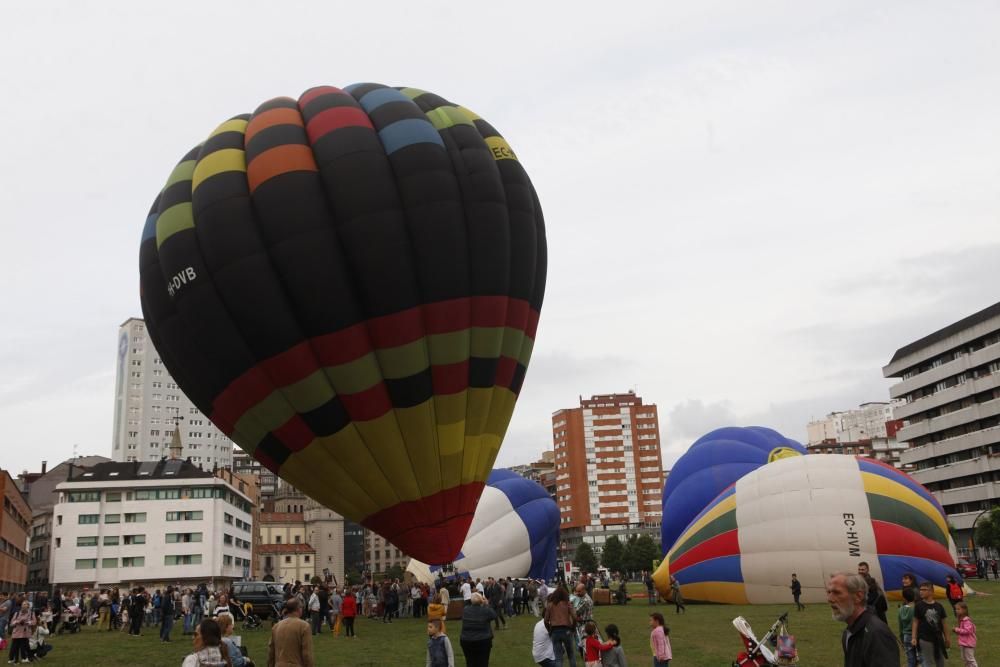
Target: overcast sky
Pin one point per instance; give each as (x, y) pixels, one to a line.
(750, 206)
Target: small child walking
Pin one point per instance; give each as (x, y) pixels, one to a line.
(659, 640)
(439, 651)
(592, 646)
(966, 631)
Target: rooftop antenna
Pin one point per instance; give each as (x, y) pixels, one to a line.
(76, 451)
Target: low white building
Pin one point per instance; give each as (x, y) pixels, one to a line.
(153, 523)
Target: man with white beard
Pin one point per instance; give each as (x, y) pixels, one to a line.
(867, 641)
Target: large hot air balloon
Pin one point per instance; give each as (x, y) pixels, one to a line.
(811, 515)
(713, 463)
(348, 285)
(515, 533)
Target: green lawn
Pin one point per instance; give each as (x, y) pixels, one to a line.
(702, 637)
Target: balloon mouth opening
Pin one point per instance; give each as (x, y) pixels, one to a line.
(431, 529)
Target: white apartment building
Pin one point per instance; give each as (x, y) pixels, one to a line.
(148, 403)
(154, 523)
(949, 382)
(867, 422)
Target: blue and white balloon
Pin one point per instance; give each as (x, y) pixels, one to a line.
(514, 533)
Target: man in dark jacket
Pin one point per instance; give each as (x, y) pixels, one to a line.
(867, 641)
(136, 610)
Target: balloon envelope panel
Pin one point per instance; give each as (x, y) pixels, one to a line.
(713, 463)
(514, 533)
(812, 516)
(348, 285)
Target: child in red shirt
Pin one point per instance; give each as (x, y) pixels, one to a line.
(593, 646)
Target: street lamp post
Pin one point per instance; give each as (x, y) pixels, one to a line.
(975, 554)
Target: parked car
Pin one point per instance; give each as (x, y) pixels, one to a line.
(265, 596)
(966, 569)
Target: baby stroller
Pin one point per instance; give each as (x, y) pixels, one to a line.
(251, 621)
(70, 620)
(773, 649)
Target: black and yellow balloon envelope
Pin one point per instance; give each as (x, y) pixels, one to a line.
(348, 285)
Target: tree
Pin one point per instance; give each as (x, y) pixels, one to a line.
(642, 551)
(613, 554)
(585, 558)
(395, 572)
(315, 581)
(353, 577)
(988, 530)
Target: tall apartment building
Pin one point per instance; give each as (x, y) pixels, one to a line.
(152, 523)
(15, 522)
(148, 404)
(245, 464)
(608, 468)
(950, 384)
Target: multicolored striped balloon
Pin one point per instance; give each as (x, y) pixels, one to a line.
(348, 285)
(809, 515)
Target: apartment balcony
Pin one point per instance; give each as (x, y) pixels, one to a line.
(950, 420)
(958, 443)
(931, 377)
(970, 494)
(949, 395)
(980, 464)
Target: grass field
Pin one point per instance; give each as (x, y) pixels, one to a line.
(703, 637)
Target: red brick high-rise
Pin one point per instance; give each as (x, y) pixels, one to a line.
(609, 471)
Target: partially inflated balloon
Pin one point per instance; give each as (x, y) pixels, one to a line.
(348, 285)
(713, 463)
(515, 533)
(812, 516)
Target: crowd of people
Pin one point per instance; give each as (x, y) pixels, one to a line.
(566, 631)
(859, 601)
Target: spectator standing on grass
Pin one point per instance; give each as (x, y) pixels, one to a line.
(797, 592)
(348, 610)
(187, 608)
(592, 646)
(906, 627)
(209, 651)
(659, 640)
(930, 630)
(867, 641)
(439, 650)
(336, 603)
(236, 657)
(614, 656)
(167, 614)
(477, 633)
(647, 579)
(315, 616)
(675, 593)
(966, 631)
(291, 640)
(954, 591)
(467, 592)
(542, 650)
(436, 611)
(561, 622)
(22, 626)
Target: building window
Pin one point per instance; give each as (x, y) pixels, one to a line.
(133, 561)
(111, 540)
(89, 541)
(89, 518)
(277, 539)
(135, 517)
(298, 539)
(307, 559)
(288, 560)
(83, 496)
(173, 538)
(135, 539)
(86, 563)
(185, 516)
(188, 559)
(227, 540)
(109, 562)
(112, 518)
(113, 496)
